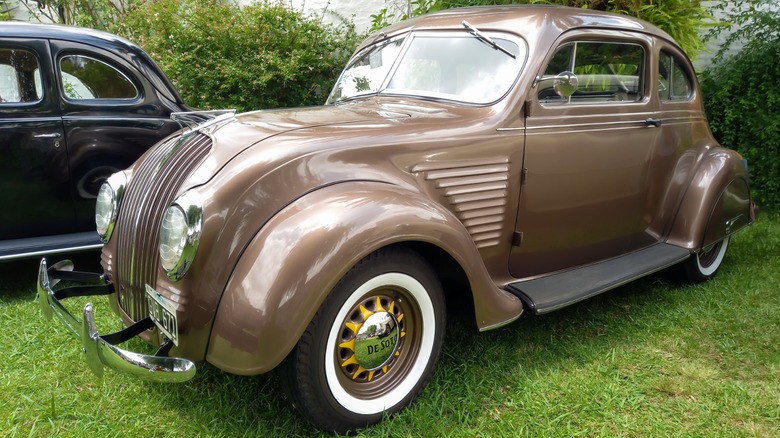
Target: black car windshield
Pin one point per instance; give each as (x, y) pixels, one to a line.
(454, 66)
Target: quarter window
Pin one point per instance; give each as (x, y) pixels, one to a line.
(675, 84)
(605, 73)
(85, 78)
(20, 77)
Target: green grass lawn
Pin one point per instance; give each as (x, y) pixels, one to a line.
(648, 359)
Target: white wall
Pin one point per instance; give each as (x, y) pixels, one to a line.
(21, 11)
(359, 11)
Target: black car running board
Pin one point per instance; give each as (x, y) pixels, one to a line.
(545, 294)
(48, 245)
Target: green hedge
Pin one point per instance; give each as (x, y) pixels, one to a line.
(220, 55)
(743, 106)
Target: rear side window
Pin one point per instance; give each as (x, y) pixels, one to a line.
(85, 78)
(19, 77)
(605, 72)
(675, 84)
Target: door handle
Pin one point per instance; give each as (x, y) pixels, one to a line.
(653, 122)
(48, 135)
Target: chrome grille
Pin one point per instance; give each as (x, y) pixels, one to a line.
(477, 191)
(151, 190)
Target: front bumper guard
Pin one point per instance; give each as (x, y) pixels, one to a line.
(101, 350)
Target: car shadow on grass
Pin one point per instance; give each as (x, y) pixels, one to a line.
(18, 277)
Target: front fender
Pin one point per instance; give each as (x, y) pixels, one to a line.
(717, 202)
(297, 258)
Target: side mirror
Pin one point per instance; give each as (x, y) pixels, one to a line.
(565, 84)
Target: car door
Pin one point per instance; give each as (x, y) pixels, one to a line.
(111, 115)
(587, 156)
(34, 167)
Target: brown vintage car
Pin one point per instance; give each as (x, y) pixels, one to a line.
(529, 157)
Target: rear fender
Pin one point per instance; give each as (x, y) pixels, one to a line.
(299, 256)
(717, 202)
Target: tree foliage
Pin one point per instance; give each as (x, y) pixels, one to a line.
(740, 95)
(222, 55)
(5, 11)
(258, 56)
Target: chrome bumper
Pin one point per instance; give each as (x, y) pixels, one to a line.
(99, 349)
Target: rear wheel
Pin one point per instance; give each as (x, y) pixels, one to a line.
(704, 264)
(372, 346)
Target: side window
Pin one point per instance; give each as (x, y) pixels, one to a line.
(85, 78)
(605, 72)
(674, 82)
(19, 77)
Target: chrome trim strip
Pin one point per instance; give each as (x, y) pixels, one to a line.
(510, 129)
(52, 251)
(98, 350)
(639, 123)
(504, 323)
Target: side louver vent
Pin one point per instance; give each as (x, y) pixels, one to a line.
(477, 192)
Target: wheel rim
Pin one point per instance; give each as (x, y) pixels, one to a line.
(370, 382)
(710, 257)
(367, 355)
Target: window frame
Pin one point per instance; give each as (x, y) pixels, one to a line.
(409, 39)
(674, 64)
(643, 73)
(139, 94)
(40, 92)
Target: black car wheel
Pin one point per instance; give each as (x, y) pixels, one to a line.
(704, 264)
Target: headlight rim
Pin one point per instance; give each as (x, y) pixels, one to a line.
(117, 182)
(191, 204)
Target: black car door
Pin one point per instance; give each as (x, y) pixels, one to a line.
(111, 115)
(35, 183)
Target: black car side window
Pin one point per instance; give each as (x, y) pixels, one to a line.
(675, 84)
(600, 72)
(85, 78)
(20, 77)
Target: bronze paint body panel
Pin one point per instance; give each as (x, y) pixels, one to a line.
(294, 198)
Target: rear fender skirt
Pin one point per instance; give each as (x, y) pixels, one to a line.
(717, 202)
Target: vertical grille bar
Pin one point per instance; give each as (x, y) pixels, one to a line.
(148, 195)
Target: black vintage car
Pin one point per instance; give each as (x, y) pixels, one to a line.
(76, 105)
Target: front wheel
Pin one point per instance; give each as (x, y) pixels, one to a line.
(704, 264)
(372, 346)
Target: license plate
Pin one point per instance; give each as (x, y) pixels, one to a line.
(163, 314)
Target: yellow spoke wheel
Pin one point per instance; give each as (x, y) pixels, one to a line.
(373, 344)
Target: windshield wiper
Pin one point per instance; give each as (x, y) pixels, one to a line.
(486, 39)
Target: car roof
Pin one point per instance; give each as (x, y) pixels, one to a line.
(10, 29)
(117, 45)
(535, 22)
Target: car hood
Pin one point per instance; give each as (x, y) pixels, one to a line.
(270, 138)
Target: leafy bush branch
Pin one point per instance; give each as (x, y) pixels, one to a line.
(222, 55)
(740, 92)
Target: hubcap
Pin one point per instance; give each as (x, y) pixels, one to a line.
(372, 337)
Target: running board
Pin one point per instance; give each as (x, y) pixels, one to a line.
(48, 245)
(545, 294)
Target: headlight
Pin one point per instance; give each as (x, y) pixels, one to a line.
(107, 204)
(173, 237)
(180, 234)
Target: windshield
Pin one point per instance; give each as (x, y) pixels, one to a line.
(454, 66)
